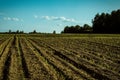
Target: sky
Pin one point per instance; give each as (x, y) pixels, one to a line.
(49, 15)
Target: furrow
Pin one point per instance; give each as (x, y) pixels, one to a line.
(5, 61)
(63, 62)
(23, 61)
(35, 67)
(16, 71)
(7, 67)
(90, 69)
(58, 73)
(3, 46)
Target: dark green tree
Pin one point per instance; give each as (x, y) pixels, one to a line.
(34, 31)
(107, 23)
(77, 29)
(86, 28)
(54, 32)
(10, 31)
(17, 31)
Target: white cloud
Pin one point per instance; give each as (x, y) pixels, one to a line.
(54, 18)
(35, 16)
(15, 19)
(64, 19)
(12, 19)
(7, 18)
(46, 17)
(67, 20)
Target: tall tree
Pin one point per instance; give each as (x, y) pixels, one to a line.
(54, 32)
(107, 23)
(34, 31)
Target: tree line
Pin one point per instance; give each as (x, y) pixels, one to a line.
(102, 23)
(13, 32)
(78, 29)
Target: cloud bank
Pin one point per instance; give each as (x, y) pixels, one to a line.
(55, 18)
(12, 19)
(64, 19)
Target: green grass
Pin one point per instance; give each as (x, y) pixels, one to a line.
(73, 35)
(61, 35)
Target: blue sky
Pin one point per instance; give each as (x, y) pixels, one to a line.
(49, 15)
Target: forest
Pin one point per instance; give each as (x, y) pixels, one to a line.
(102, 23)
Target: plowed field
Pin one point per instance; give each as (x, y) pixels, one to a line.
(30, 57)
